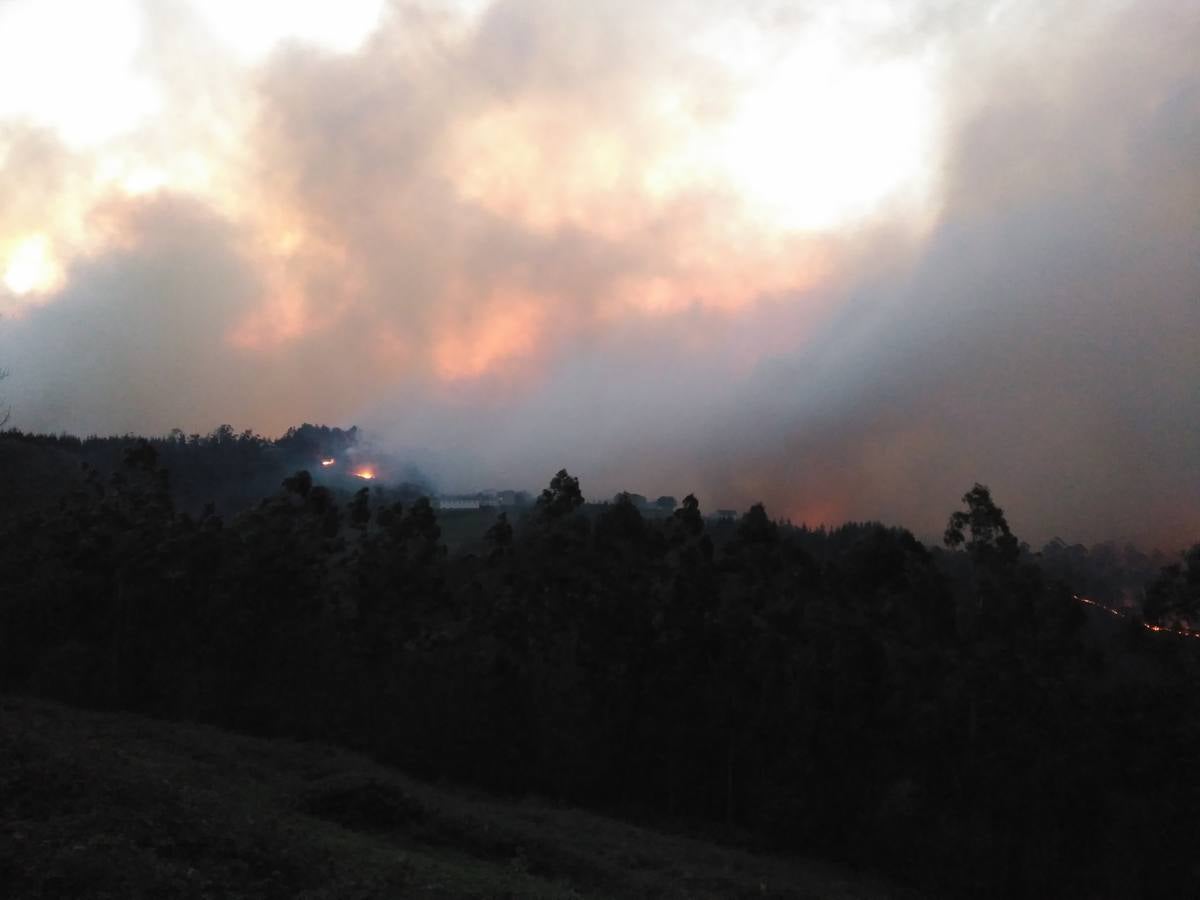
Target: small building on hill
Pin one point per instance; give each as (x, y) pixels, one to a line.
(460, 501)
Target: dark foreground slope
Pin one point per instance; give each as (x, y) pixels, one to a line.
(942, 717)
(116, 805)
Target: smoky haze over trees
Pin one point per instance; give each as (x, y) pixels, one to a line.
(808, 267)
(1034, 325)
(951, 716)
(225, 469)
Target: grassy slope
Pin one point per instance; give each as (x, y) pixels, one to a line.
(114, 805)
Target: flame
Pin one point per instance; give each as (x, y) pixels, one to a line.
(1182, 631)
(328, 462)
(366, 474)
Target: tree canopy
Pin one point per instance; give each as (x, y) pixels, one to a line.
(940, 714)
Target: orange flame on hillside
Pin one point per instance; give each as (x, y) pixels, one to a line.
(1183, 631)
(366, 474)
(328, 462)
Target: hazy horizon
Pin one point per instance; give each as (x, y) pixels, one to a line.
(846, 261)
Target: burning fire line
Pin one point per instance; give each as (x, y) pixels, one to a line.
(1121, 614)
(366, 473)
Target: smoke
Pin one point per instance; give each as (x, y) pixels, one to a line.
(506, 240)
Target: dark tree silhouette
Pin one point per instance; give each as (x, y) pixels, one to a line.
(360, 508)
(1173, 598)
(938, 714)
(561, 497)
(301, 483)
(990, 541)
(688, 515)
(755, 527)
(500, 535)
(6, 412)
(638, 500)
(621, 521)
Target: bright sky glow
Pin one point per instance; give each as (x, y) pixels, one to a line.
(255, 28)
(30, 268)
(70, 66)
(814, 138)
(821, 143)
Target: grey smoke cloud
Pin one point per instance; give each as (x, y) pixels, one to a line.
(446, 236)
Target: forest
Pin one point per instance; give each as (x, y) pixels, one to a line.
(952, 716)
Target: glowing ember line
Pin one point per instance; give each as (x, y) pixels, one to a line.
(328, 462)
(364, 474)
(1122, 614)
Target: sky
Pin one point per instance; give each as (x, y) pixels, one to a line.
(846, 259)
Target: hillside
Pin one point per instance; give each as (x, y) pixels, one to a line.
(116, 805)
(945, 717)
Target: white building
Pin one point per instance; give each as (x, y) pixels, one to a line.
(459, 501)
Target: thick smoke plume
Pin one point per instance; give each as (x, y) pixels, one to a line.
(492, 237)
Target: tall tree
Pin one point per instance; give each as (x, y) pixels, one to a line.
(990, 541)
(7, 411)
(561, 497)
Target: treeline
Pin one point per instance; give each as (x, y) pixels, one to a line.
(940, 715)
(229, 469)
(1113, 574)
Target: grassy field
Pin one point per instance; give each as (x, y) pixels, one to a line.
(114, 805)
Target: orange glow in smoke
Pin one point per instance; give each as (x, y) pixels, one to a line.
(507, 328)
(328, 462)
(366, 474)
